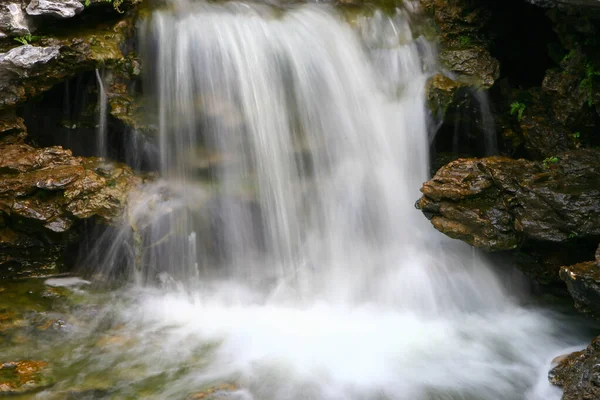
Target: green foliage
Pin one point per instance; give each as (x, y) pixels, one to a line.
(87, 3)
(576, 135)
(464, 40)
(27, 39)
(518, 108)
(550, 160)
(587, 84)
(572, 235)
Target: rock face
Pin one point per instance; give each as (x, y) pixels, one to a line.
(55, 8)
(583, 282)
(501, 204)
(44, 195)
(579, 373)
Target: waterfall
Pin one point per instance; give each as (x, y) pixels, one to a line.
(101, 132)
(282, 232)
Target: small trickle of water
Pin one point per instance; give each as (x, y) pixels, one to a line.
(101, 131)
(292, 149)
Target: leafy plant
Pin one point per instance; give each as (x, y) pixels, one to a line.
(572, 235)
(518, 108)
(87, 3)
(550, 160)
(27, 39)
(587, 84)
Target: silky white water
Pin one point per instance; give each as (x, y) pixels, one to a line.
(289, 256)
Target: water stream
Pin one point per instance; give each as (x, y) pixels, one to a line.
(280, 252)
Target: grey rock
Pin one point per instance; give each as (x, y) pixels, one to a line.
(22, 58)
(55, 8)
(12, 20)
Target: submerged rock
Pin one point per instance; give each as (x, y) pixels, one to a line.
(17, 377)
(55, 8)
(578, 373)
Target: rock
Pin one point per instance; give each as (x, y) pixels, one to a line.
(214, 392)
(497, 202)
(44, 195)
(474, 62)
(25, 376)
(583, 283)
(12, 20)
(32, 70)
(55, 8)
(501, 204)
(464, 48)
(22, 58)
(578, 373)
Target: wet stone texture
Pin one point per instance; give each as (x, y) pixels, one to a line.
(501, 204)
(583, 282)
(44, 195)
(17, 377)
(578, 373)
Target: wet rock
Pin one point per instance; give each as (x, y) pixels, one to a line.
(496, 202)
(55, 8)
(501, 204)
(31, 70)
(461, 25)
(17, 377)
(12, 20)
(583, 283)
(214, 392)
(441, 93)
(474, 62)
(578, 373)
(44, 195)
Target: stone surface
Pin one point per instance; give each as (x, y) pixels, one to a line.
(31, 70)
(543, 213)
(475, 62)
(21, 59)
(55, 8)
(578, 373)
(45, 193)
(17, 377)
(12, 20)
(583, 283)
(496, 203)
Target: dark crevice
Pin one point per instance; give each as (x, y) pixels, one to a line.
(521, 38)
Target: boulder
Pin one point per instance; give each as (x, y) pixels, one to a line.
(45, 194)
(55, 8)
(583, 283)
(501, 204)
(578, 373)
(12, 20)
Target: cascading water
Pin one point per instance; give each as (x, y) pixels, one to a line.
(320, 280)
(101, 131)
